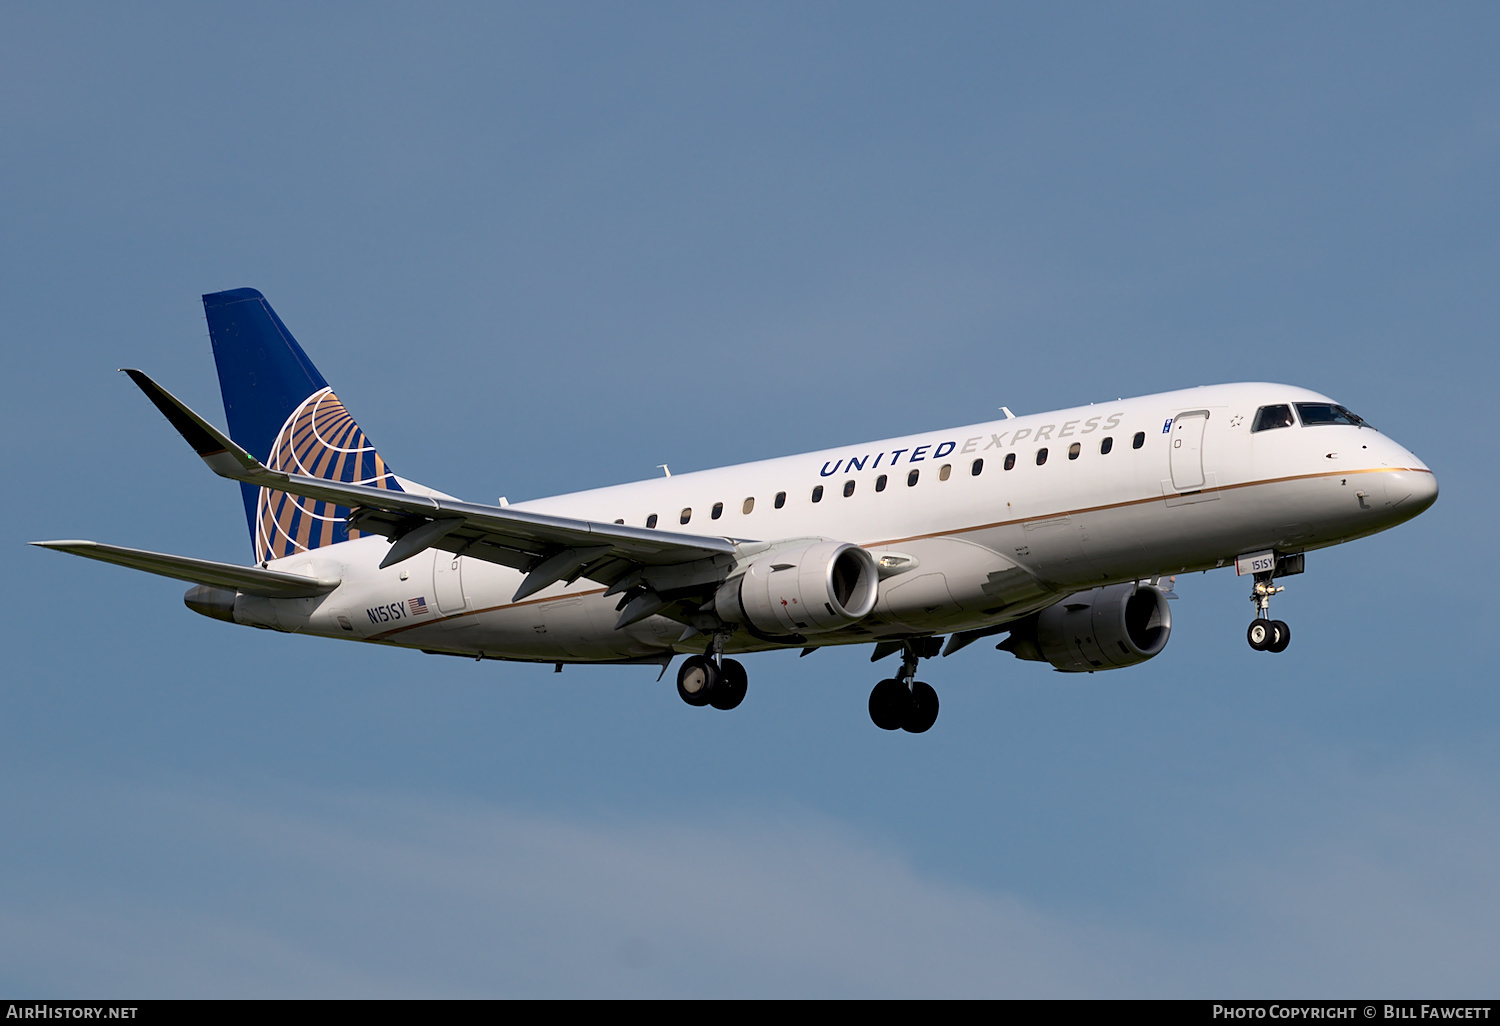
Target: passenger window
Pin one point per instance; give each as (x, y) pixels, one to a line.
(945, 471)
(1010, 461)
(1139, 440)
(977, 467)
(880, 483)
(1106, 445)
(1074, 450)
(1268, 417)
(780, 499)
(749, 505)
(911, 479)
(1041, 456)
(651, 520)
(619, 521)
(848, 489)
(717, 511)
(687, 514)
(818, 494)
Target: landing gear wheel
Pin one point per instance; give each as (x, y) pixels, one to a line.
(730, 689)
(1281, 636)
(922, 713)
(696, 680)
(1266, 634)
(889, 702)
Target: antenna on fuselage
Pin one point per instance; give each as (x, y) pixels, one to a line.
(1008, 415)
(664, 469)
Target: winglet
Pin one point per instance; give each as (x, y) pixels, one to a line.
(217, 450)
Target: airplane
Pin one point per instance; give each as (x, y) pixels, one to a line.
(1062, 530)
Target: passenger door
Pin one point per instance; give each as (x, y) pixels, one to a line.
(1187, 449)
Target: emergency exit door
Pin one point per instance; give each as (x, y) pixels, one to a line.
(447, 582)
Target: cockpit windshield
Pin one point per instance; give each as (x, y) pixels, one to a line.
(1268, 417)
(1315, 414)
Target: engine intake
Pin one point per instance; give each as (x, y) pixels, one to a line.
(821, 586)
(1101, 629)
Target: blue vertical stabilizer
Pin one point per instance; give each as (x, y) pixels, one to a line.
(281, 410)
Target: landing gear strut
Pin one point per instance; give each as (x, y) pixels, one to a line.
(710, 679)
(1265, 634)
(903, 702)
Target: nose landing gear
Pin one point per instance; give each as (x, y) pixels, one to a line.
(902, 702)
(1265, 634)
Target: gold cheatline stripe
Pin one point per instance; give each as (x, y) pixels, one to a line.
(935, 534)
(1139, 502)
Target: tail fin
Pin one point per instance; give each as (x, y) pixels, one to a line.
(282, 412)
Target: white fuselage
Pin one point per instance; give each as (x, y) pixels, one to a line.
(959, 550)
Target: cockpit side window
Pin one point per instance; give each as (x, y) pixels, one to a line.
(1268, 417)
(1313, 414)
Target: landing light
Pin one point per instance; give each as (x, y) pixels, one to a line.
(891, 563)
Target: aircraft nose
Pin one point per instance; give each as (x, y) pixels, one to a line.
(1410, 491)
(1424, 489)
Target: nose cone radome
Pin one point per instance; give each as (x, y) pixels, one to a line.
(1410, 491)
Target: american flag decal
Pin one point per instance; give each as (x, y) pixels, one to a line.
(418, 605)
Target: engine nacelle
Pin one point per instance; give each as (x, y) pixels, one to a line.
(1101, 629)
(820, 586)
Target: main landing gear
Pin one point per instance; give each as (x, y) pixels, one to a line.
(1265, 634)
(903, 702)
(710, 679)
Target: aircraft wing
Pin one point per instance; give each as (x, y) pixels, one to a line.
(547, 548)
(251, 580)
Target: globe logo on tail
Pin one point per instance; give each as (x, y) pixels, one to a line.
(319, 439)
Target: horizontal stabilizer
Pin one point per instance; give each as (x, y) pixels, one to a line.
(251, 580)
(497, 534)
(222, 455)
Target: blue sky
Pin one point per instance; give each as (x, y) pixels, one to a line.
(544, 248)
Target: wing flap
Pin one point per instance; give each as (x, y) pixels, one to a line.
(251, 580)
